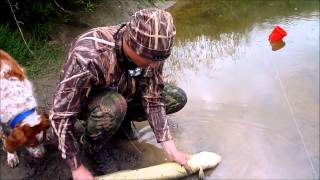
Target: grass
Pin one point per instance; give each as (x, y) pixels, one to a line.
(13, 43)
(47, 57)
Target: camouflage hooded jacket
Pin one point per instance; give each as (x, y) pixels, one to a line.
(96, 61)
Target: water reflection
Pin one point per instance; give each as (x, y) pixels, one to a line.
(201, 54)
(276, 45)
(257, 108)
(210, 31)
(212, 18)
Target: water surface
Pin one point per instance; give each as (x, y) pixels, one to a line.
(257, 108)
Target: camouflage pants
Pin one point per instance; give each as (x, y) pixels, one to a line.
(107, 110)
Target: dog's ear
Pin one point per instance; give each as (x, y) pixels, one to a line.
(15, 70)
(16, 139)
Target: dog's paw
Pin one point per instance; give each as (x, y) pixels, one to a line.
(12, 159)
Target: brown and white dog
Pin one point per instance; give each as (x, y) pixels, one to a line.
(18, 112)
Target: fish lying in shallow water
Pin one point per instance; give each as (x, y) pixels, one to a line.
(198, 163)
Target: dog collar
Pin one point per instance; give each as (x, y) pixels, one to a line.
(21, 117)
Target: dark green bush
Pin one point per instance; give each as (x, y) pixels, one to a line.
(12, 42)
(46, 57)
(36, 19)
(37, 16)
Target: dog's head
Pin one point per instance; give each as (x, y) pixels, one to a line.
(30, 137)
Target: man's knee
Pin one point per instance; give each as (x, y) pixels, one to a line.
(175, 98)
(107, 114)
(114, 104)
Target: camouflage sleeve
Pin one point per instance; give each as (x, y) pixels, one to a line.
(75, 84)
(153, 103)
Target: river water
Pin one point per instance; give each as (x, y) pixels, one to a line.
(256, 107)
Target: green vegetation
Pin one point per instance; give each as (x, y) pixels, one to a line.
(89, 6)
(37, 19)
(37, 16)
(45, 58)
(12, 43)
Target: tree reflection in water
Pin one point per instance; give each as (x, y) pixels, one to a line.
(212, 30)
(202, 54)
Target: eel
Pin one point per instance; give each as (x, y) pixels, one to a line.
(170, 170)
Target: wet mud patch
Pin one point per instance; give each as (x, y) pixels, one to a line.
(52, 166)
(111, 160)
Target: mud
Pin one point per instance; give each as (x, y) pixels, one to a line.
(52, 167)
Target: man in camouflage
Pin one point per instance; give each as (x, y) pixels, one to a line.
(113, 75)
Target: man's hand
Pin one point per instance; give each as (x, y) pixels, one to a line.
(174, 155)
(82, 173)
